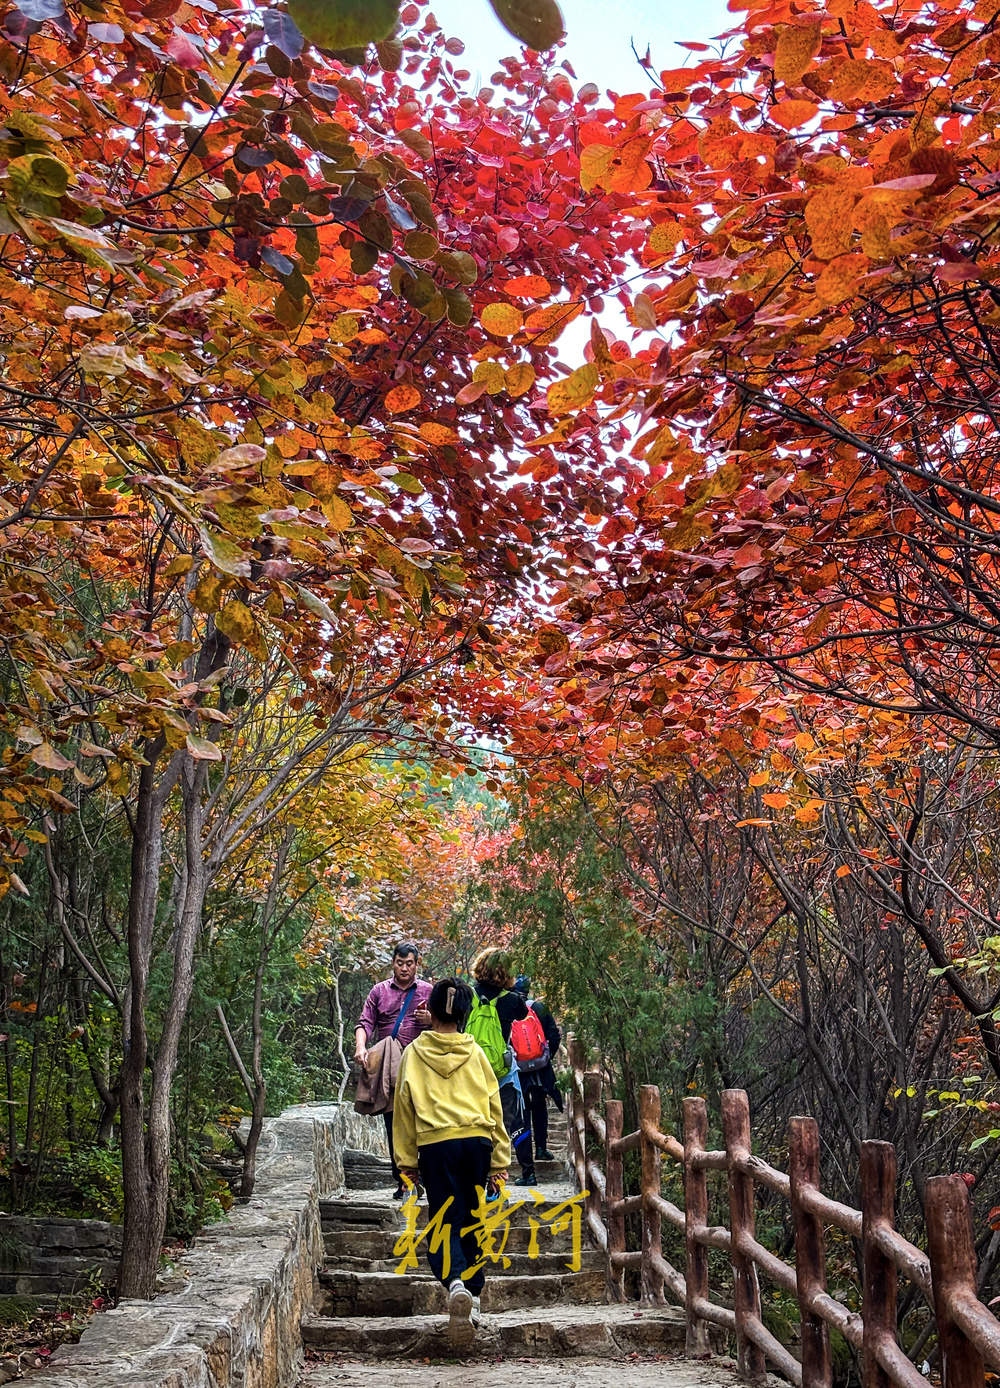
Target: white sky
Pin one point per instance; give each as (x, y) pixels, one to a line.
(598, 35)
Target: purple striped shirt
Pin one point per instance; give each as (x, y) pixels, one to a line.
(378, 1016)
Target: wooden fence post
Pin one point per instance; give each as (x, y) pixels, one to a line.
(651, 1288)
(810, 1251)
(746, 1288)
(575, 1119)
(695, 1216)
(614, 1171)
(592, 1084)
(878, 1311)
(952, 1251)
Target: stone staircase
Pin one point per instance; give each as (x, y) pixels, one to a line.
(536, 1305)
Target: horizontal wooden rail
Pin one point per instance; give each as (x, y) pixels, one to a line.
(968, 1333)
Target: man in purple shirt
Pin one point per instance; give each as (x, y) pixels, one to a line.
(381, 1013)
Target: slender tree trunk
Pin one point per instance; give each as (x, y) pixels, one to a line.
(137, 1270)
(345, 1072)
(146, 1128)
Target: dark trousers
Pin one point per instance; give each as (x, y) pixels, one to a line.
(538, 1115)
(460, 1168)
(388, 1138)
(516, 1123)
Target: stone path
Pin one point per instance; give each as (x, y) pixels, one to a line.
(528, 1373)
(544, 1323)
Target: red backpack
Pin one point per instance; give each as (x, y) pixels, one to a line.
(528, 1039)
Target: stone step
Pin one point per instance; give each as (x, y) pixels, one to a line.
(519, 1263)
(342, 1213)
(387, 1294)
(365, 1170)
(373, 1243)
(599, 1332)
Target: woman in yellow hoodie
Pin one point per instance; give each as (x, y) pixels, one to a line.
(448, 1125)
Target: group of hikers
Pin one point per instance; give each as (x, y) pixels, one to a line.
(462, 1076)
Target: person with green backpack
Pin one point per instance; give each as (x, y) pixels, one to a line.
(495, 1009)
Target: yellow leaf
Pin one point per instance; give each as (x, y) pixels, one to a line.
(797, 45)
(502, 320)
(236, 621)
(594, 164)
(338, 513)
(665, 238)
(490, 374)
(760, 778)
(207, 593)
(520, 378)
(576, 391)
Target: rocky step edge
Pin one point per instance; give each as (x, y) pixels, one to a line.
(342, 1293)
(600, 1332)
(375, 1173)
(363, 1241)
(356, 1253)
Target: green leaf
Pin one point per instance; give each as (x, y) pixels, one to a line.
(537, 23)
(344, 23)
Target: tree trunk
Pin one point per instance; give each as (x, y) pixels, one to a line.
(140, 1244)
(146, 1130)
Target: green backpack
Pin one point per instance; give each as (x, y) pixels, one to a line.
(484, 1027)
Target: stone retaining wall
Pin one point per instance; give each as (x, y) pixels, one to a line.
(46, 1258)
(246, 1281)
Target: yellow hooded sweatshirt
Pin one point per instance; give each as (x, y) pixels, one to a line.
(446, 1089)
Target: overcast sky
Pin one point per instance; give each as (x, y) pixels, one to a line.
(599, 33)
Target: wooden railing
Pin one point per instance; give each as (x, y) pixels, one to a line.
(968, 1334)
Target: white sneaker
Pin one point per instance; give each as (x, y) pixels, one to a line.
(460, 1301)
(477, 1314)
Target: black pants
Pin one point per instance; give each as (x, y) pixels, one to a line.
(388, 1135)
(516, 1123)
(460, 1168)
(537, 1108)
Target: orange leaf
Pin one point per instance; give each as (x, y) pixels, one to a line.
(401, 398)
(775, 799)
(502, 320)
(760, 778)
(546, 324)
(828, 217)
(858, 80)
(791, 114)
(438, 434)
(528, 287)
(841, 277)
(742, 823)
(843, 870)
